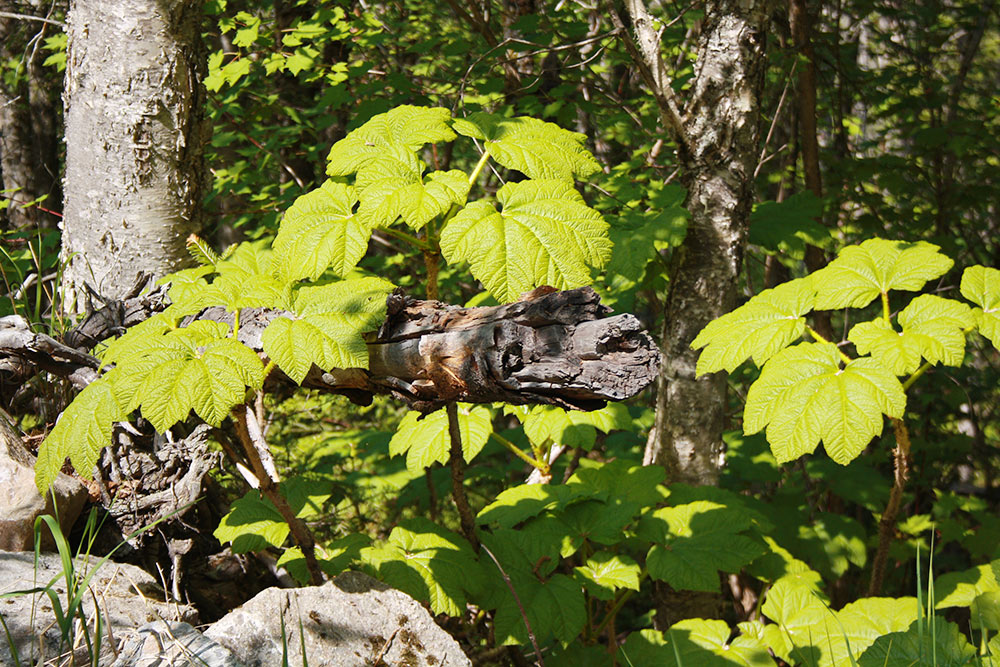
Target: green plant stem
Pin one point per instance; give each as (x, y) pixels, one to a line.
(457, 463)
(924, 367)
(519, 453)
(887, 524)
(822, 339)
(886, 315)
(614, 609)
(483, 159)
(417, 243)
(254, 446)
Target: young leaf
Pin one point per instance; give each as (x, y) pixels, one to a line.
(321, 231)
(624, 480)
(699, 539)
(932, 329)
(81, 432)
(426, 441)
(393, 186)
(428, 563)
(981, 286)
(863, 272)
(206, 373)
(759, 328)
(535, 148)
(803, 397)
(573, 429)
(329, 328)
(407, 126)
(605, 573)
(545, 235)
(253, 524)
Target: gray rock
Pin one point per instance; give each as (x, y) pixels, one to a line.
(115, 588)
(162, 644)
(351, 621)
(19, 497)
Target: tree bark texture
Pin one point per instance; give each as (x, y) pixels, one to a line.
(718, 154)
(28, 111)
(135, 132)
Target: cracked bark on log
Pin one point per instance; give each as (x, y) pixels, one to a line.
(558, 348)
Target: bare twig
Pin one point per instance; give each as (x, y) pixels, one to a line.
(249, 434)
(28, 17)
(524, 614)
(457, 463)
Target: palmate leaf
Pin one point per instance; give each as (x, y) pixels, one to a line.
(803, 397)
(698, 540)
(429, 563)
(319, 232)
(863, 272)
(535, 148)
(759, 328)
(329, 326)
(981, 286)
(252, 524)
(427, 441)
(605, 572)
(407, 126)
(694, 641)
(545, 235)
(196, 368)
(518, 503)
(916, 646)
(932, 329)
(554, 604)
(393, 186)
(812, 633)
(82, 431)
(545, 423)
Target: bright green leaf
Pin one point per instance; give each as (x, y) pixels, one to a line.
(545, 235)
(535, 148)
(932, 329)
(917, 645)
(703, 537)
(605, 572)
(428, 563)
(426, 441)
(252, 524)
(407, 126)
(760, 328)
(863, 272)
(981, 286)
(393, 186)
(321, 231)
(803, 397)
(82, 431)
(694, 641)
(518, 503)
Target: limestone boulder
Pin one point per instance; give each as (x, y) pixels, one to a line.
(352, 621)
(125, 596)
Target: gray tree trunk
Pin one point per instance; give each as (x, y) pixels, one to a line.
(135, 132)
(718, 145)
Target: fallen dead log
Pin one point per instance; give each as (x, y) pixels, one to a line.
(551, 347)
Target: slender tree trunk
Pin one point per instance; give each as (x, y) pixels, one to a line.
(718, 153)
(135, 133)
(800, 23)
(28, 159)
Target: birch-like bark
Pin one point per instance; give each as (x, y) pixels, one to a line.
(718, 153)
(135, 132)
